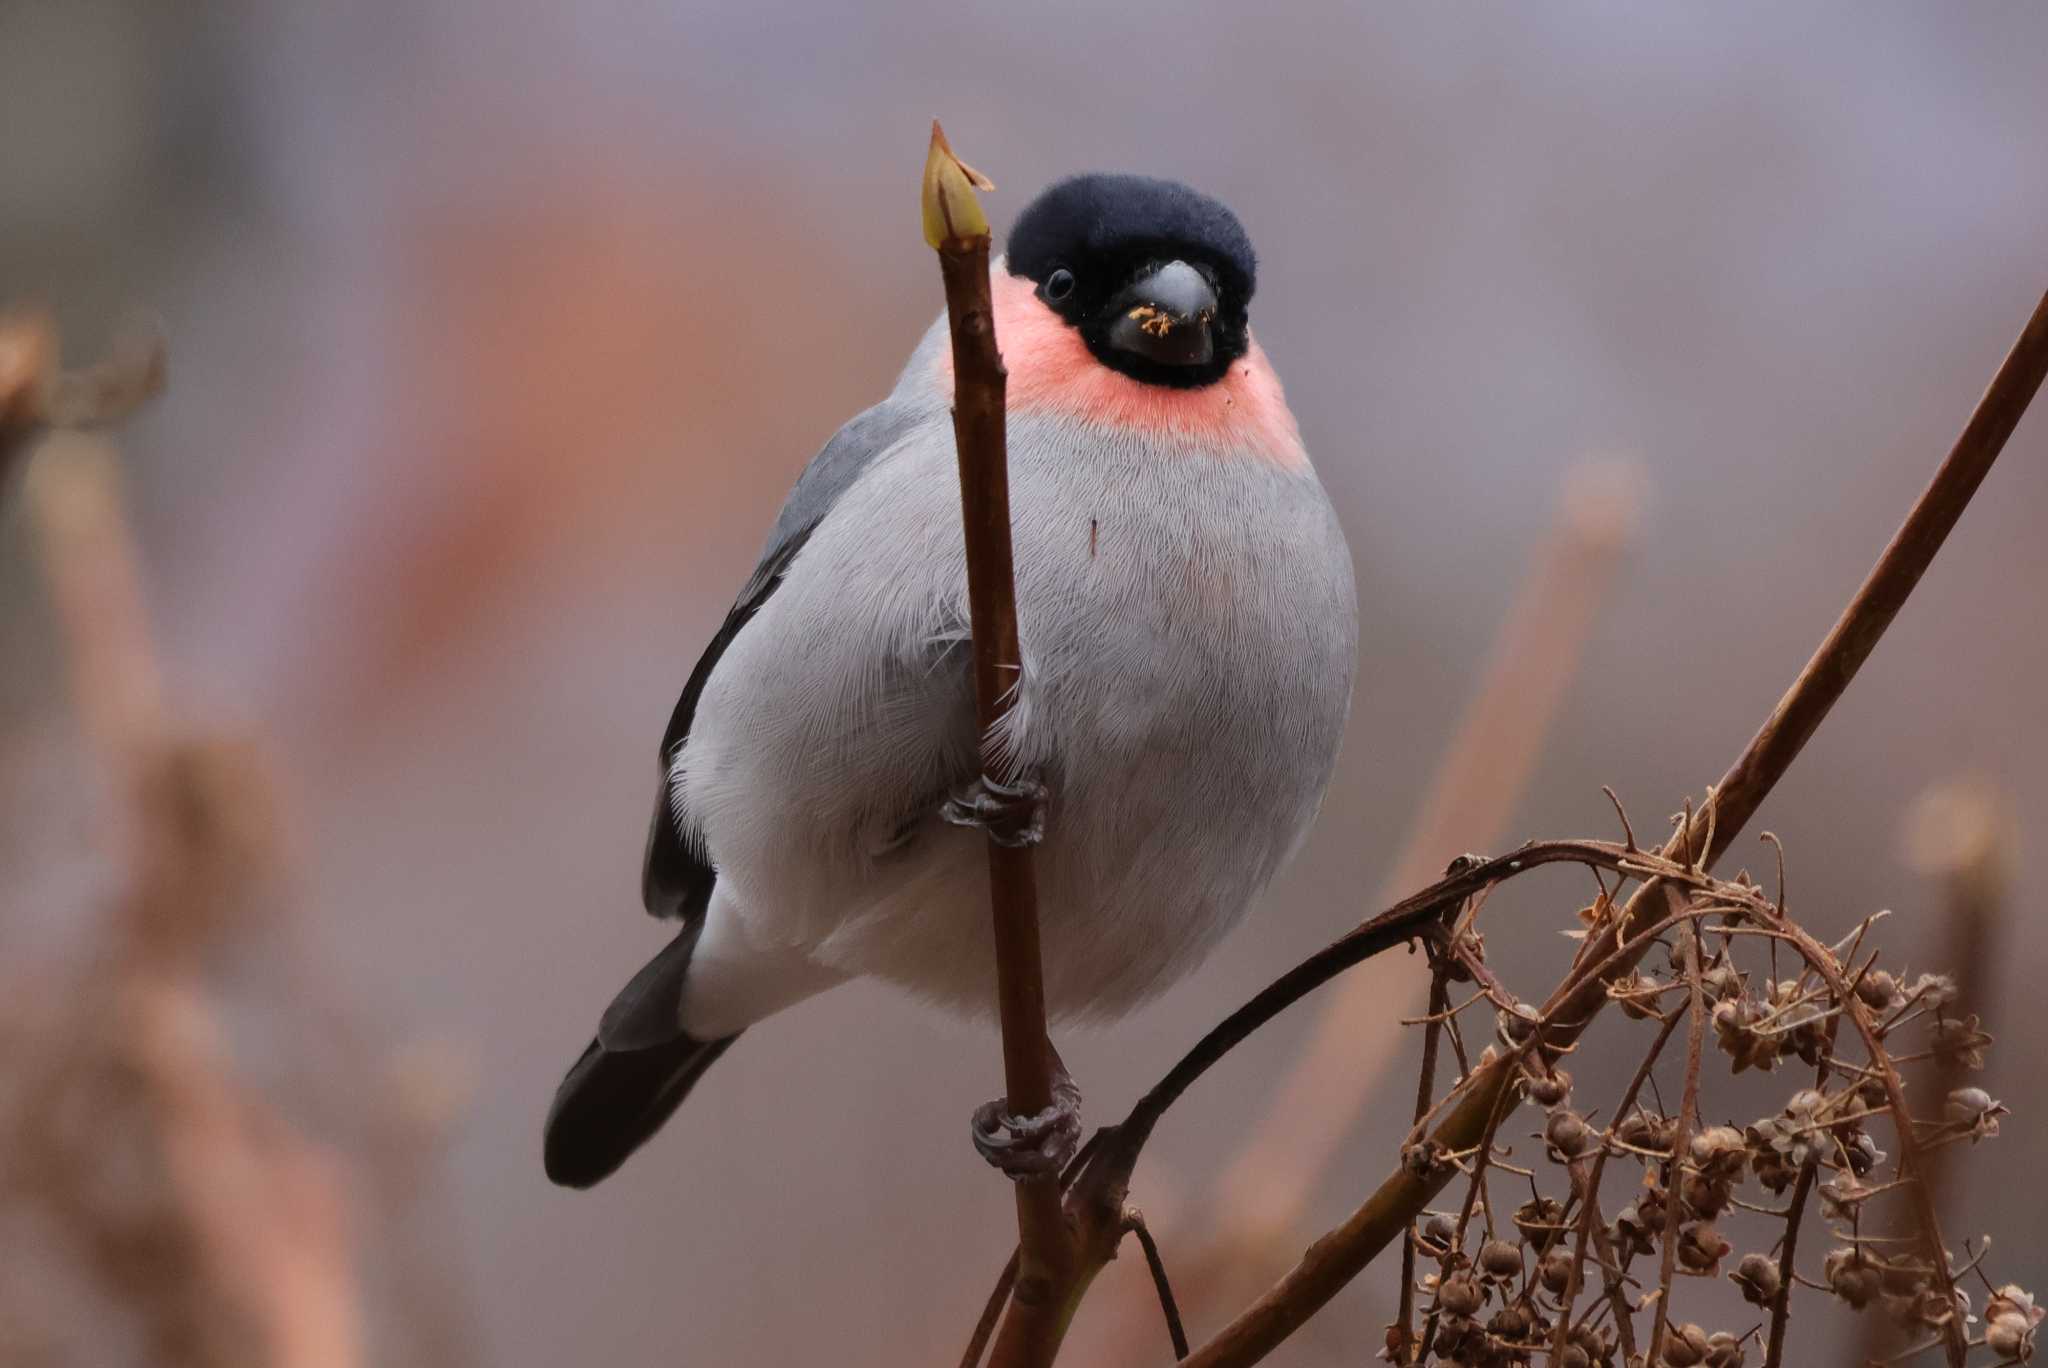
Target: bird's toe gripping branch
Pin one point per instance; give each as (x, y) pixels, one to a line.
(1013, 815)
(1031, 1146)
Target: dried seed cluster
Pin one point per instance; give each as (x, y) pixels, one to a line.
(1588, 1270)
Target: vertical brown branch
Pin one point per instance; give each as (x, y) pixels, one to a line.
(955, 227)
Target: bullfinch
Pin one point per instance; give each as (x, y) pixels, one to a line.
(1188, 628)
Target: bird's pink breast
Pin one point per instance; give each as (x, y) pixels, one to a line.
(1053, 373)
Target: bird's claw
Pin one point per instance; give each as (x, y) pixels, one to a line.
(1030, 1146)
(1012, 814)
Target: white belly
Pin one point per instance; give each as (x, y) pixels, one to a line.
(1189, 637)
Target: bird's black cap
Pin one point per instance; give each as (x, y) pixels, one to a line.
(1157, 277)
(1102, 217)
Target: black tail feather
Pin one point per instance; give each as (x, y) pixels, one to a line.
(613, 1100)
(633, 1076)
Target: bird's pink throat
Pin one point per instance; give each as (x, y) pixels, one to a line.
(1053, 373)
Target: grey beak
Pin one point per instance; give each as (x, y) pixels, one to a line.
(1166, 317)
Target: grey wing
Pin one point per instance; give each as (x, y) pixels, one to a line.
(676, 876)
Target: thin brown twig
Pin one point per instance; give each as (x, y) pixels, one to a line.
(1425, 1090)
(991, 1312)
(1589, 1213)
(957, 230)
(1134, 1222)
(1781, 1304)
(1688, 1118)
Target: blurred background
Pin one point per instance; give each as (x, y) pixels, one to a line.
(497, 332)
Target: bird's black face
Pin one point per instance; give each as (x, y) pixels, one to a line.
(1156, 277)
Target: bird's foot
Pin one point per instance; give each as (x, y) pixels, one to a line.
(1031, 1146)
(1012, 814)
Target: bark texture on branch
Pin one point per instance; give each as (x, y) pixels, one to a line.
(954, 225)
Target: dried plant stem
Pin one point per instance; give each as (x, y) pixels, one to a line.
(991, 1312)
(1688, 1119)
(1781, 1305)
(1589, 1214)
(1913, 1159)
(1161, 1284)
(1334, 1260)
(1031, 1333)
(1425, 1093)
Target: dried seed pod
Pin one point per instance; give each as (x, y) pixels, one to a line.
(1960, 1041)
(1878, 990)
(1454, 1335)
(1842, 1197)
(1647, 1130)
(1555, 1271)
(1500, 1259)
(2011, 1338)
(1933, 990)
(1701, 1248)
(1757, 1276)
(1706, 1198)
(1861, 1151)
(1547, 1090)
(1773, 1169)
(1636, 993)
(1721, 983)
(1566, 1137)
(1540, 1219)
(1735, 1022)
(1435, 1236)
(2013, 1300)
(1684, 1346)
(1723, 1351)
(1718, 1152)
(1977, 1110)
(1512, 1322)
(1806, 1107)
(2009, 1320)
(1802, 1023)
(1423, 1158)
(1631, 1237)
(1597, 1345)
(1460, 1295)
(1516, 1026)
(1851, 1275)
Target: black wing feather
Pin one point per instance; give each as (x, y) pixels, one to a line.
(676, 877)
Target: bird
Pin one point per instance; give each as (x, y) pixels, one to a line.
(1188, 625)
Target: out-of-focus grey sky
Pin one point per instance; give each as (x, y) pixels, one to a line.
(498, 330)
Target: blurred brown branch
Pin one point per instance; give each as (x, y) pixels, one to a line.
(35, 395)
(236, 1248)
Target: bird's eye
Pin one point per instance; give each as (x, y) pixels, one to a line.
(1059, 284)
